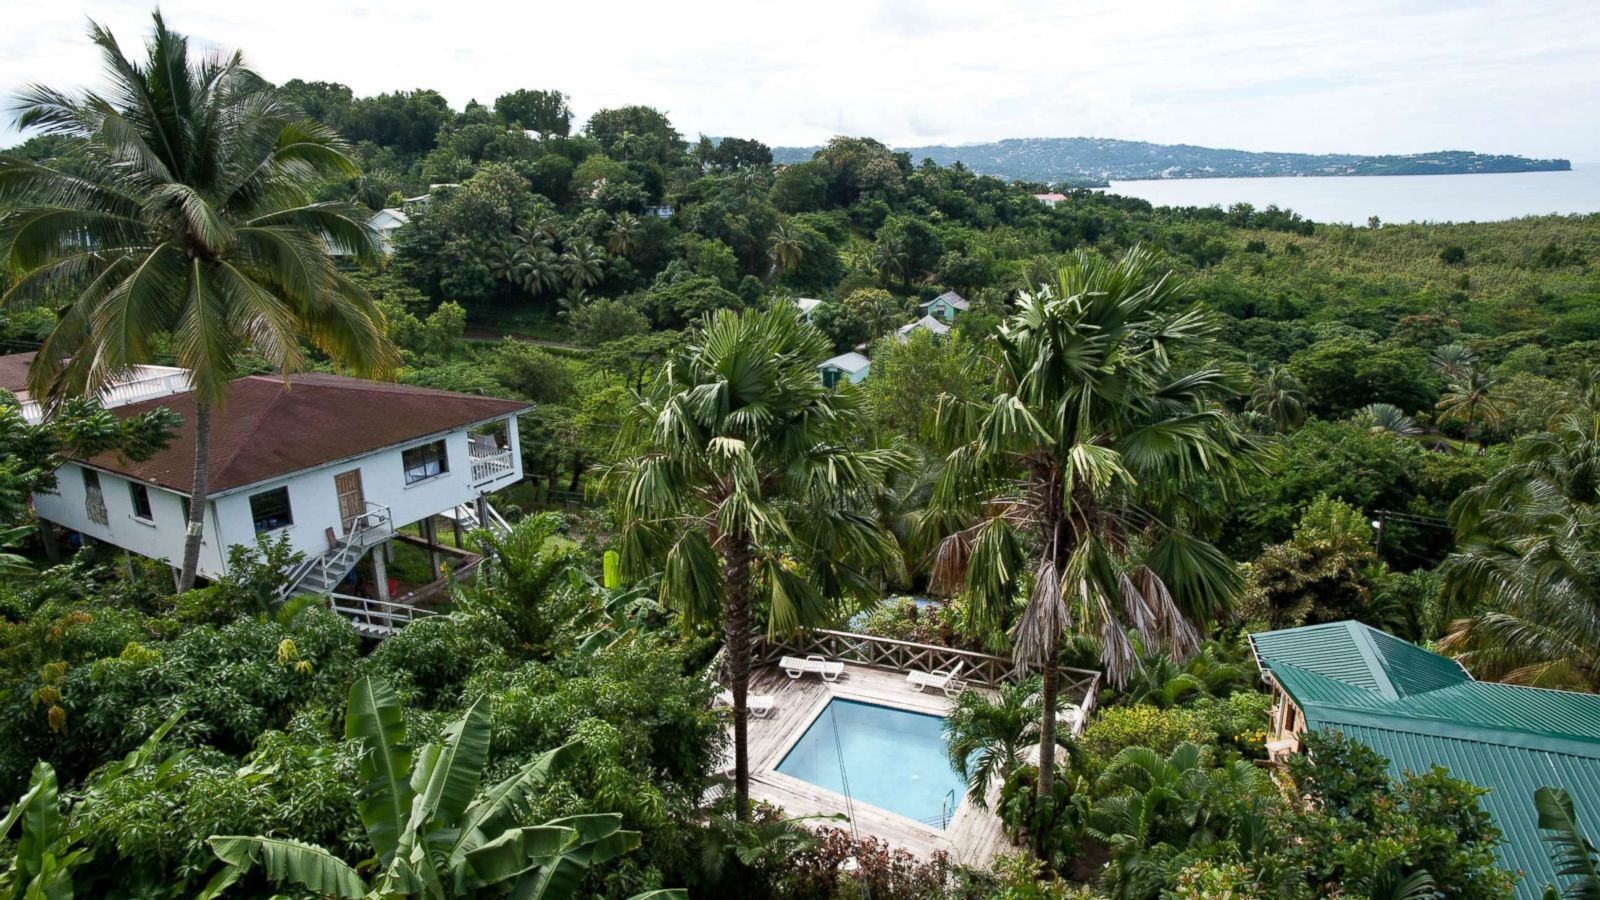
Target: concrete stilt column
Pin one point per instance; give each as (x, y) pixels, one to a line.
(380, 571)
(47, 537)
(431, 535)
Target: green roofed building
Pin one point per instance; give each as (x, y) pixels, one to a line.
(1419, 709)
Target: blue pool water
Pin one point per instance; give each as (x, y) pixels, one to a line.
(895, 760)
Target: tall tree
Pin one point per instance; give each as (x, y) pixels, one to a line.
(190, 216)
(1280, 397)
(1075, 480)
(748, 490)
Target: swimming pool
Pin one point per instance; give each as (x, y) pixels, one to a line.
(894, 759)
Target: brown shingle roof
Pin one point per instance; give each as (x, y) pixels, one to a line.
(270, 428)
(14, 372)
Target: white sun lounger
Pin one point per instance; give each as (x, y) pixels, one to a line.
(794, 667)
(946, 681)
(758, 704)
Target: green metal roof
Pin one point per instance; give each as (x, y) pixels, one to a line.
(1420, 710)
(1359, 655)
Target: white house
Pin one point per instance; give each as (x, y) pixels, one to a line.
(926, 323)
(807, 306)
(946, 306)
(1050, 199)
(143, 383)
(851, 367)
(334, 464)
(386, 222)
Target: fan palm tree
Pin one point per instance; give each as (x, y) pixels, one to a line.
(1280, 397)
(187, 214)
(785, 248)
(748, 490)
(1073, 481)
(987, 738)
(1451, 360)
(583, 264)
(436, 836)
(1526, 569)
(1381, 417)
(1473, 396)
(623, 237)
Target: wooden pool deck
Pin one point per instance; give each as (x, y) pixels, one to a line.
(974, 835)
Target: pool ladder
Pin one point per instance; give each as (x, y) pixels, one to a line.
(947, 808)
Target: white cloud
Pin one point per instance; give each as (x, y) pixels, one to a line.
(1359, 76)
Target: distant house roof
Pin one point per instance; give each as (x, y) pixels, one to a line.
(271, 427)
(1050, 198)
(389, 219)
(807, 304)
(952, 298)
(1419, 709)
(848, 362)
(926, 323)
(14, 372)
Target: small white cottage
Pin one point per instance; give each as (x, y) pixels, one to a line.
(851, 367)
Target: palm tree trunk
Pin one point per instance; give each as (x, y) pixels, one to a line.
(1047, 723)
(197, 496)
(736, 636)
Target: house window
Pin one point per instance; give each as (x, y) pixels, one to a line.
(94, 502)
(426, 461)
(141, 501)
(830, 377)
(270, 509)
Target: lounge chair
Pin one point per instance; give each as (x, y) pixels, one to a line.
(759, 705)
(794, 667)
(946, 680)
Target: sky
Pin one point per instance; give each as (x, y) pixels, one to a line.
(1356, 76)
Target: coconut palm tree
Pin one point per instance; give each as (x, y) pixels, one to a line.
(1280, 397)
(748, 489)
(1073, 482)
(891, 256)
(1473, 396)
(583, 264)
(1526, 571)
(187, 215)
(623, 237)
(988, 738)
(786, 249)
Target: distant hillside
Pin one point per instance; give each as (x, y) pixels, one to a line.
(1096, 160)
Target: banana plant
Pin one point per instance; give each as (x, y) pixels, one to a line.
(1572, 853)
(436, 835)
(47, 850)
(45, 857)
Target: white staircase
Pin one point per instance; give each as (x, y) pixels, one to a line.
(319, 575)
(468, 517)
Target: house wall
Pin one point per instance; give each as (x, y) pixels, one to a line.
(942, 310)
(313, 503)
(160, 538)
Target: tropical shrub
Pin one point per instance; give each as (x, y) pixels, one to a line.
(1160, 730)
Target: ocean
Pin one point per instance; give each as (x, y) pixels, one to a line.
(1393, 198)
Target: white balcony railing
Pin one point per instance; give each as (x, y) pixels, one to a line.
(146, 383)
(490, 466)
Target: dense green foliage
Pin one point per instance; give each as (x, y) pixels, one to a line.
(1150, 430)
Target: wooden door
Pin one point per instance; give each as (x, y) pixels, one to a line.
(352, 502)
